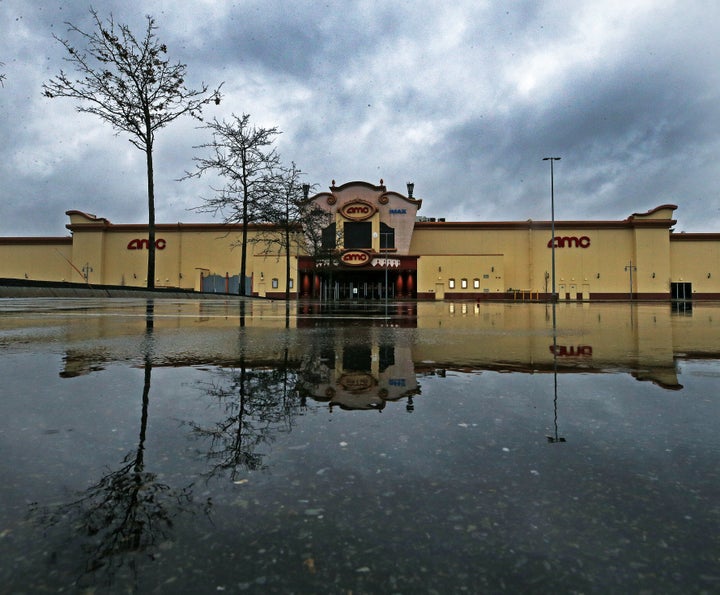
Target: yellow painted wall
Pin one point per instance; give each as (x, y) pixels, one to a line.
(436, 273)
(44, 259)
(652, 248)
(522, 259)
(697, 262)
(88, 253)
(118, 254)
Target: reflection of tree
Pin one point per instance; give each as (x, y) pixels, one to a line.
(316, 370)
(127, 510)
(258, 403)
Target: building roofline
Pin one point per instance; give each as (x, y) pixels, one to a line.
(168, 227)
(380, 188)
(695, 237)
(530, 224)
(412, 201)
(63, 240)
(654, 211)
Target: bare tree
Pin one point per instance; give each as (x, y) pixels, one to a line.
(240, 153)
(128, 82)
(299, 219)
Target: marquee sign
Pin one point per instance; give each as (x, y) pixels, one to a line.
(355, 258)
(358, 210)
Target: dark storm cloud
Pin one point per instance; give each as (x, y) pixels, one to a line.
(463, 99)
(629, 129)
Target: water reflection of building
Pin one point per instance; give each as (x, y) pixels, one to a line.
(641, 340)
(644, 340)
(358, 368)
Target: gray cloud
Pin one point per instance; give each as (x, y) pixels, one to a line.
(464, 100)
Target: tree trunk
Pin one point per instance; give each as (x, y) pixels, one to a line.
(287, 262)
(151, 207)
(243, 257)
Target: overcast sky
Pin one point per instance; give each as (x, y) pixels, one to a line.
(463, 100)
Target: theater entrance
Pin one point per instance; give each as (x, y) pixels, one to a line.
(358, 283)
(351, 286)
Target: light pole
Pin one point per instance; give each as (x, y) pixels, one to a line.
(386, 283)
(552, 219)
(384, 235)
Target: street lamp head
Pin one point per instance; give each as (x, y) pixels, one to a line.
(551, 158)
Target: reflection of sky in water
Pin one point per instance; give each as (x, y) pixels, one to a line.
(465, 491)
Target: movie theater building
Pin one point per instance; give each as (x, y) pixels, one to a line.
(374, 245)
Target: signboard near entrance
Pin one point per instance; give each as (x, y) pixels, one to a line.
(355, 258)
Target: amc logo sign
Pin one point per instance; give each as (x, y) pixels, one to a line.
(571, 350)
(570, 242)
(142, 244)
(355, 258)
(356, 382)
(358, 210)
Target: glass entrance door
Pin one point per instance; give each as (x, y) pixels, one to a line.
(681, 291)
(366, 285)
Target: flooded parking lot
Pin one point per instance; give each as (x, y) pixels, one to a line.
(219, 445)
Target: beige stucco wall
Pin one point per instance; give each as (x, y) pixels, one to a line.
(117, 254)
(589, 259)
(695, 258)
(44, 259)
(517, 258)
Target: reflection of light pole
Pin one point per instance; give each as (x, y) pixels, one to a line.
(552, 218)
(630, 267)
(555, 437)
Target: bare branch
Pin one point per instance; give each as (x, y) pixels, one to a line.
(128, 82)
(242, 154)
